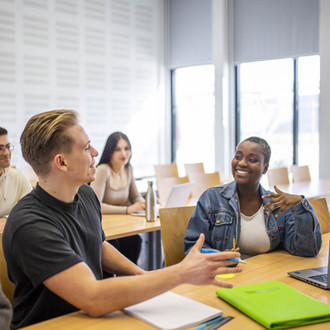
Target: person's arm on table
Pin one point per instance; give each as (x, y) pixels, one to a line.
(137, 201)
(134, 194)
(78, 286)
(99, 187)
(136, 207)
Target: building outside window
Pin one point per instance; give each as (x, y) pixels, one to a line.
(267, 95)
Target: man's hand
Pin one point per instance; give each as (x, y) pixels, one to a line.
(201, 268)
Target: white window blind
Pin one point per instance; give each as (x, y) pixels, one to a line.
(190, 32)
(268, 29)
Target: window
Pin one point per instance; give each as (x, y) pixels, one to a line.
(308, 118)
(193, 116)
(279, 101)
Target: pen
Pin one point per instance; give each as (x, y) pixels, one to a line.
(216, 251)
(220, 323)
(205, 325)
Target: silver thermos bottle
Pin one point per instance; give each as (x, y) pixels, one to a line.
(150, 203)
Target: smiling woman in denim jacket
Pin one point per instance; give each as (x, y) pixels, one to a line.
(259, 221)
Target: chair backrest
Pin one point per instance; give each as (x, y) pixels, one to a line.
(194, 168)
(173, 223)
(166, 170)
(320, 207)
(7, 286)
(164, 186)
(300, 173)
(278, 176)
(203, 181)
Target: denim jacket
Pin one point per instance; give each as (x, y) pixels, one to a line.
(217, 215)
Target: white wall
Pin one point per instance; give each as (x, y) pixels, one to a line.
(325, 89)
(104, 58)
(224, 106)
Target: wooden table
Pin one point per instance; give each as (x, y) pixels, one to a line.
(310, 189)
(119, 225)
(123, 225)
(266, 267)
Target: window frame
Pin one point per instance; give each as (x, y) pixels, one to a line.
(295, 109)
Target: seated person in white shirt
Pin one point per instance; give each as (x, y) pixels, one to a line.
(13, 183)
(257, 220)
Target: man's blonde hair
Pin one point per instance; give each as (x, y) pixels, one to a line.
(45, 135)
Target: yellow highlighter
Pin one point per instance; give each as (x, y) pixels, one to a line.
(234, 247)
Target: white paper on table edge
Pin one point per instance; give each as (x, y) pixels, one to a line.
(172, 311)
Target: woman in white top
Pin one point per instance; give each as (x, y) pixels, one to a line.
(116, 190)
(243, 214)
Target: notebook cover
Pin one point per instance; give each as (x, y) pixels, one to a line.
(276, 305)
(172, 311)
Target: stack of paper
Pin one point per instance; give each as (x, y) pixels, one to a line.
(172, 311)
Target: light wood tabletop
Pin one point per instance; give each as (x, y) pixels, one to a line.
(266, 267)
(310, 189)
(123, 225)
(119, 225)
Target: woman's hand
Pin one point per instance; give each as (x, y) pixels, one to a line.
(281, 200)
(138, 206)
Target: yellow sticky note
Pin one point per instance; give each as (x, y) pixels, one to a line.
(231, 275)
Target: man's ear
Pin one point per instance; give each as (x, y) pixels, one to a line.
(60, 162)
(266, 168)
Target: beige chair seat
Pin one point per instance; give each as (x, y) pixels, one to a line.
(164, 186)
(300, 173)
(320, 207)
(194, 168)
(203, 181)
(166, 170)
(278, 176)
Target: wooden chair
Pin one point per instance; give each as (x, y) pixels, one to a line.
(7, 286)
(320, 207)
(164, 186)
(166, 170)
(278, 176)
(300, 173)
(194, 168)
(173, 223)
(203, 181)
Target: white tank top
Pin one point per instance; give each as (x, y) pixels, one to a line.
(254, 239)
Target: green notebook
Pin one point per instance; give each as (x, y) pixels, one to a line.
(276, 305)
